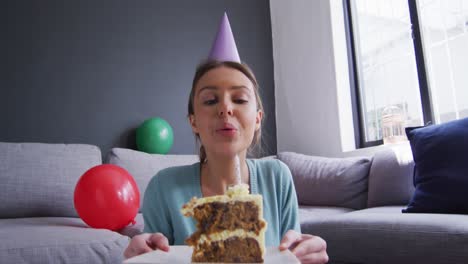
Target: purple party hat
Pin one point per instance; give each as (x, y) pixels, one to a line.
(224, 46)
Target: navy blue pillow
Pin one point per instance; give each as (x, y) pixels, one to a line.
(440, 155)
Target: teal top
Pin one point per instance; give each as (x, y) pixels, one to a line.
(173, 187)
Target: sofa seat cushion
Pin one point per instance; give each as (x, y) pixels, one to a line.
(58, 240)
(309, 214)
(385, 235)
(134, 229)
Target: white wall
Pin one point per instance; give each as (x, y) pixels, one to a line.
(313, 109)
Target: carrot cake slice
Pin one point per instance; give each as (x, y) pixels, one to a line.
(230, 227)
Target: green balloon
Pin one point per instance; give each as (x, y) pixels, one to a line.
(154, 136)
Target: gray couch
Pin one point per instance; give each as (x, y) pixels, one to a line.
(372, 228)
(38, 222)
(353, 203)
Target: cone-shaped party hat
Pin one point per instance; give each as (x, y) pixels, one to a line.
(224, 46)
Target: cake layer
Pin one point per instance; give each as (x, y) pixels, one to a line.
(188, 208)
(216, 216)
(231, 250)
(196, 241)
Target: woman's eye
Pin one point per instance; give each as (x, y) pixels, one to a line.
(209, 102)
(240, 101)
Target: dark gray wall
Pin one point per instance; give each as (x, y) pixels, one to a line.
(92, 71)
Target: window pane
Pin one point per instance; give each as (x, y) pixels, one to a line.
(386, 63)
(445, 40)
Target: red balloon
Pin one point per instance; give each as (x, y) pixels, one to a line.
(106, 196)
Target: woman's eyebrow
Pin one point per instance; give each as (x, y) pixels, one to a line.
(213, 88)
(236, 87)
(206, 88)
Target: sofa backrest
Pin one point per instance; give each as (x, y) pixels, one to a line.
(143, 166)
(391, 176)
(38, 179)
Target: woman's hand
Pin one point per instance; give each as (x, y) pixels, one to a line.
(144, 243)
(307, 248)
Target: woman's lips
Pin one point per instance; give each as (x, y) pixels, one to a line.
(227, 130)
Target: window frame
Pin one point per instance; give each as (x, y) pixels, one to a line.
(424, 89)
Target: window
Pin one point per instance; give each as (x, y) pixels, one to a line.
(409, 55)
(445, 39)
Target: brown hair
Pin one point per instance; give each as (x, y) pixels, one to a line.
(208, 65)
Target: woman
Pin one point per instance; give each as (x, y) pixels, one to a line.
(225, 113)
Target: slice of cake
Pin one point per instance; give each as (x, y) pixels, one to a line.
(230, 227)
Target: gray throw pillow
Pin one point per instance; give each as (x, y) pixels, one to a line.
(143, 166)
(322, 181)
(39, 179)
(391, 176)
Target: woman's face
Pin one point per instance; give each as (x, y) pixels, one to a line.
(225, 111)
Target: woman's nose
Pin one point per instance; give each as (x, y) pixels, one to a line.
(225, 109)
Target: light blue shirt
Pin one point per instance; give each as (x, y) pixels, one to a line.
(171, 188)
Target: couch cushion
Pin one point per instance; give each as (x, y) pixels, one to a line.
(441, 168)
(391, 176)
(39, 179)
(58, 240)
(134, 229)
(320, 181)
(143, 166)
(309, 214)
(385, 235)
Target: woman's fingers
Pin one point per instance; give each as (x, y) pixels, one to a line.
(144, 243)
(137, 246)
(311, 249)
(290, 238)
(307, 248)
(309, 244)
(158, 241)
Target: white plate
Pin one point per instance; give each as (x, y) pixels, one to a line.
(183, 254)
